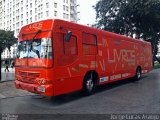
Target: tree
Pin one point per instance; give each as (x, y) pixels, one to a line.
(131, 17)
(7, 39)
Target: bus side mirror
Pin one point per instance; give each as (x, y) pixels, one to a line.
(68, 36)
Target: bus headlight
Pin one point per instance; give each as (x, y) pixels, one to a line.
(39, 81)
(43, 81)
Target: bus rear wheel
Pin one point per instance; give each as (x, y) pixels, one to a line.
(138, 74)
(88, 85)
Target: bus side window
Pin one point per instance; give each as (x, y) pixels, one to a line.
(89, 43)
(67, 52)
(71, 46)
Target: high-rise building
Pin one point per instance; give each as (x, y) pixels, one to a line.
(16, 13)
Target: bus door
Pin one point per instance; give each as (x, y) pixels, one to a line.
(66, 55)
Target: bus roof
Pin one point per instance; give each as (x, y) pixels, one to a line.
(49, 23)
(96, 31)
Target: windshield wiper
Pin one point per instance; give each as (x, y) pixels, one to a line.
(39, 31)
(30, 43)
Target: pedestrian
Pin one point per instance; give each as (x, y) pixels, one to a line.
(12, 65)
(6, 64)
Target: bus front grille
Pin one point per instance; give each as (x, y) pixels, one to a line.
(28, 77)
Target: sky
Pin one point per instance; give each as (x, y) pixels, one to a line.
(87, 14)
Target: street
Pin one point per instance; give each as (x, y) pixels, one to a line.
(121, 97)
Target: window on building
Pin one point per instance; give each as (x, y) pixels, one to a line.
(27, 14)
(21, 9)
(64, 15)
(31, 19)
(26, 7)
(67, 9)
(35, 17)
(13, 7)
(27, 21)
(47, 13)
(21, 2)
(21, 23)
(30, 12)
(41, 14)
(21, 16)
(35, 10)
(30, 5)
(55, 13)
(55, 5)
(13, 26)
(64, 7)
(47, 5)
(41, 6)
(67, 16)
(13, 13)
(35, 2)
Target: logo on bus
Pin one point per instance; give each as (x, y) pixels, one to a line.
(35, 26)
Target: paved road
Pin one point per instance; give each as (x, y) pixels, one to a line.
(120, 97)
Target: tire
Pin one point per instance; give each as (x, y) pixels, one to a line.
(138, 74)
(89, 85)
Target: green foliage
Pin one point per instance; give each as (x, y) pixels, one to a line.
(7, 39)
(157, 66)
(129, 17)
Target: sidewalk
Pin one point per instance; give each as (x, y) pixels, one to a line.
(6, 76)
(7, 89)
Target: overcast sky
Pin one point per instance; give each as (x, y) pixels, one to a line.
(87, 13)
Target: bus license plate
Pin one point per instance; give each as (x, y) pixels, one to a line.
(41, 89)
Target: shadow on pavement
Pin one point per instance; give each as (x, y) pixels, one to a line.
(66, 98)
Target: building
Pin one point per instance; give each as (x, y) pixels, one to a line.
(16, 13)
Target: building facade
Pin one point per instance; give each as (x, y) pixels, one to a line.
(16, 13)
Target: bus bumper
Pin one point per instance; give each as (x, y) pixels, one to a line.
(46, 90)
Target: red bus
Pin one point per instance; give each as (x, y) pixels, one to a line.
(55, 57)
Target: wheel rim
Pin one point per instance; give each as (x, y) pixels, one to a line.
(89, 84)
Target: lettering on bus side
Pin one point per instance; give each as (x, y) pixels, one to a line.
(121, 56)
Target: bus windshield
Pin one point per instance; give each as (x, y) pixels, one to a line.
(36, 48)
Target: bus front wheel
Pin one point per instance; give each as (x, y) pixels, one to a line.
(88, 85)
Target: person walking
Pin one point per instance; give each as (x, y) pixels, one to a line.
(7, 65)
(12, 65)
